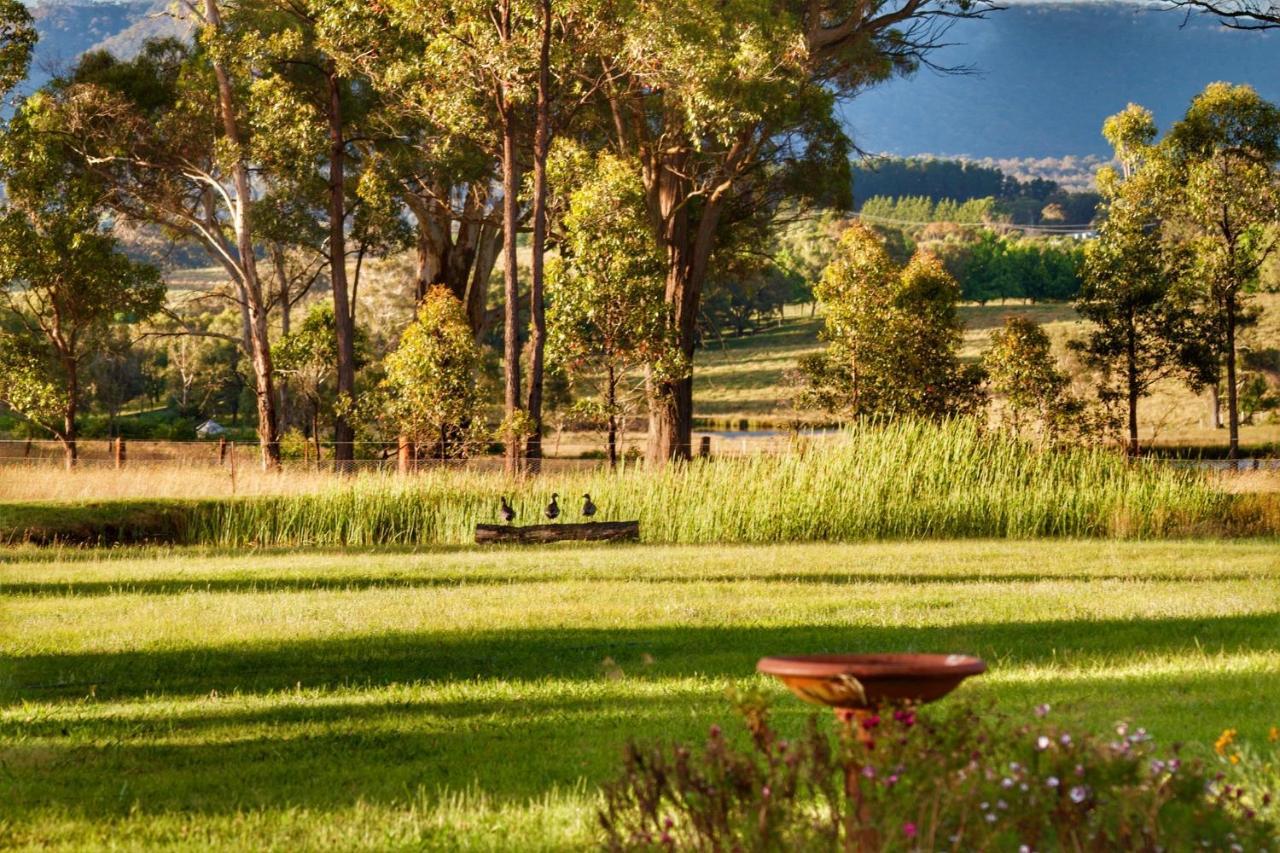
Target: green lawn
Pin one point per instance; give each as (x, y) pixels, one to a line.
(472, 698)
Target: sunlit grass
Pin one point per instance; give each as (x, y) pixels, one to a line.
(466, 698)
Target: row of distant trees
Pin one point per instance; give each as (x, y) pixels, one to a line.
(1189, 221)
(965, 190)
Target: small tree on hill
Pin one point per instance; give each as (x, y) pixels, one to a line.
(1023, 373)
(892, 337)
(1222, 193)
(1143, 324)
(430, 394)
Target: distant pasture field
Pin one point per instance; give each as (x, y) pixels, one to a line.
(748, 379)
(466, 698)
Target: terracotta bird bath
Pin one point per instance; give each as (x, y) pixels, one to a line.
(855, 686)
(861, 683)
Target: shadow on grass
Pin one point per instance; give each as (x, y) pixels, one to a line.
(330, 756)
(577, 653)
(178, 585)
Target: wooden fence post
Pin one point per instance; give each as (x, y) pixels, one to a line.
(120, 451)
(222, 450)
(704, 447)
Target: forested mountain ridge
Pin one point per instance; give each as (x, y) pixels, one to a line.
(1045, 76)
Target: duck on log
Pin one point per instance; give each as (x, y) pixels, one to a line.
(596, 531)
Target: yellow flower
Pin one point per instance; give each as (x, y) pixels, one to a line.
(1235, 759)
(1274, 734)
(1224, 741)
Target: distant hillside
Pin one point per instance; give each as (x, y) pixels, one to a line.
(1047, 75)
(70, 27)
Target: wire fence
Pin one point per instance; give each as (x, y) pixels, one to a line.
(385, 457)
(369, 456)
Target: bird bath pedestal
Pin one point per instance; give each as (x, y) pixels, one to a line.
(855, 686)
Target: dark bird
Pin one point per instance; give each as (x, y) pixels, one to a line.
(553, 508)
(588, 508)
(508, 514)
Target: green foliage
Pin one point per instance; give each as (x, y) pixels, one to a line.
(64, 285)
(309, 356)
(606, 318)
(921, 210)
(1213, 184)
(961, 776)
(892, 335)
(1040, 270)
(1136, 292)
(17, 43)
(429, 393)
(1024, 375)
(953, 184)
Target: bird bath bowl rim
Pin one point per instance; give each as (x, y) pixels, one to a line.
(863, 681)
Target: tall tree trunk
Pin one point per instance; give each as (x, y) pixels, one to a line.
(260, 345)
(688, 252)
(282, 284)
(1233, 402)
(462, 263)
(70, 430)
(511, 280)
(344, 322)
(537, 306)
(1131, 374)
(611, 401)
(1215, 406)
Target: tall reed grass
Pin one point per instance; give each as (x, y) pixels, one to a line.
(902, 480)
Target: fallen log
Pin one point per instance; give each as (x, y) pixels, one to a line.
(593, 531)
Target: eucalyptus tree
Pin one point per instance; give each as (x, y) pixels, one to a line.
(1135, 294)
(490, 84)
(65, 285)
(892, 334)
(307, 116)
(1222, 195)
(729, 109)
(168, 133)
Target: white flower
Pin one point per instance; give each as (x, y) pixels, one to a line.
(1042, 742)
(991, 818)
(1052, 781)
(1078, 794)
(1006, 782)
(1065, 740)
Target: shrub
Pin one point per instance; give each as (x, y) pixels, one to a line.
(963, 778)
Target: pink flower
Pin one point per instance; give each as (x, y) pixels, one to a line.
(715, 730)
(909, 829)
(870, 722)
